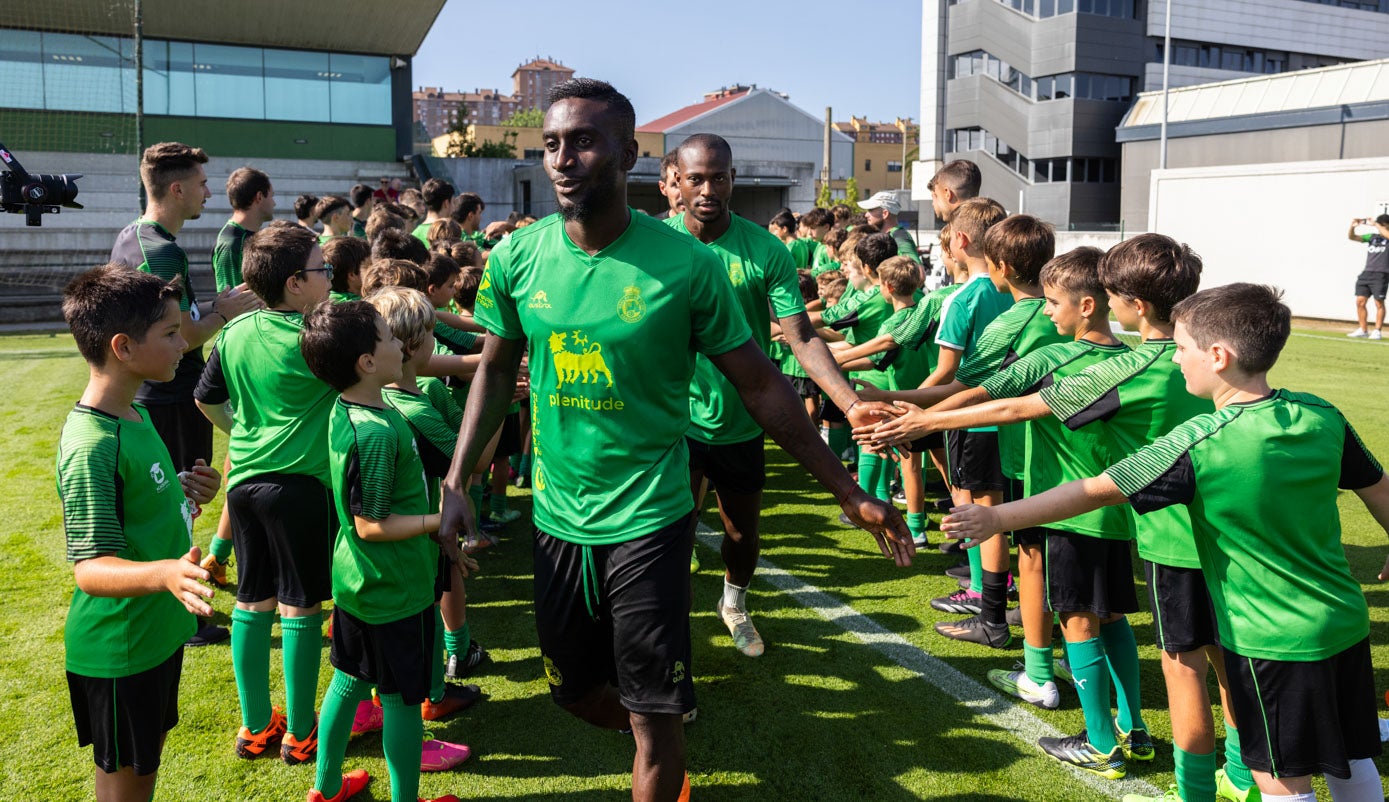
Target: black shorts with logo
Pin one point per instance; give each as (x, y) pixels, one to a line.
(731, 467)
(1301, 718)
(1183, 614)
(125, 718)
(974, 463)
(395, 656)
(282, 530)
(627, 624)
(1089, 574)
(1372, 285)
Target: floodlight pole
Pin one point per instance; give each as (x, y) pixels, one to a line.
(140, 88)
(1166, 65)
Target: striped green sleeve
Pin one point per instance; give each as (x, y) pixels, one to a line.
(914, 329)
(457, 340)
(426, 421)
(1025, 376)
(374, 479)
(88, 456)
(442, 399)
(992, 349)
(1093, 393)
(1161, 473)
(166, 260)
(848, 304)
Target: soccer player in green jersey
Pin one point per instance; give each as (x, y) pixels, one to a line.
(386, 551)
(258, 389)
(1088, 578)
(335, 213)
(439, 200)
(614, 306)
(363, 201)
(128, 521)
(347, 255)
(467, 211)
(253, 205)
(1293, 622)
(176, 185)
(725, 442)
(952, 185)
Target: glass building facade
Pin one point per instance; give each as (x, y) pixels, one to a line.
(73, 72)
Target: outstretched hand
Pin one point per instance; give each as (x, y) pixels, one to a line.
(910, 423)
(184, 578)
(884, 523)
(201, 483)
(970, 521)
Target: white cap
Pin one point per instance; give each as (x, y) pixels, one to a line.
(882, 200)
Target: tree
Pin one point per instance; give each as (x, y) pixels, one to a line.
(825, 198)
(462, 146)
(525, 118)
(851, 190)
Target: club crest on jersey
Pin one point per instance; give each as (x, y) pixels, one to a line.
(157, 476)
(539, 301)
(677, 673)
(735, 274)
(484, 290)
(631, 308)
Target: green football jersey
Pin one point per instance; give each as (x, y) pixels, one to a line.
(421, 233)
(377, 472)
(906, 368)
(785, 358)
(917, 331)
(226, 255)
(443, 400)
(149, 247)
(279, 408)
(343, 297)
(820, 260)
(121, 495)
(1018, 331)
(870, 311)
(430, 424)
(359, 228)
(1054, 454)
(764, 283)
(848, 303)
(1136, 398)
(613, 338)
(1261, 480)
(802, 249)
(458, 341)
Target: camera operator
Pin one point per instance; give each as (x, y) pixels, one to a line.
(1374, 280)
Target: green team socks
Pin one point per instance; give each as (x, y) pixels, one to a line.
(976, 569)
(497, 503)
(1121, 650)
(1195, 775)
(839, 439)
(870, 472)
(302, 653)
(436, 666)
(401, 738)
(916, 524)
(221, 549)
(339, 706)
(1234, 762)
(456, 641)
(1091, 671)
(250, 645)
(525, 469)
(1037, 662)
(475, 496)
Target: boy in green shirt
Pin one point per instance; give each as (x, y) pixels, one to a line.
(438, 197)
(387, 543)
(347, 255)
(257, 388)
(1293, 622)
(128, 520)
(335, 213)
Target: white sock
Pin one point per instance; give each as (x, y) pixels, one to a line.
(1363, 785)
(1309, 797)
(734, 597)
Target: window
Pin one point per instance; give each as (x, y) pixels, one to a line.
(21, 62)
(867, 165)
(535, 154)
(296, 86)
(229, 81)
(894, 167)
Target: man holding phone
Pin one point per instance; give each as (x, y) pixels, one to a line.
(1374, 279)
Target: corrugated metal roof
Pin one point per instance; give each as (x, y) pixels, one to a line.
(1325, 87)
(681, 116)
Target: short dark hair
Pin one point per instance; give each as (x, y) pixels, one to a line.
(394, 273)
(468, 203)
(603, 92)
(440, 268)
(437, 193)
(842, 213)
(443, 231)
(784, 220)
(962, 176)
(346, 255)
(669, 161)
(273, 254)
(875, 249)
(304, 206)
(710, 142)
(1249, 318)
(396, 244)
(329, 204)
(359, 195)
(114, 299)
(382, 220)
(810, 290)
(167, 162)
(334, 337)
(975, 217)
(244, 184)
(1076, 272)
(1153, 267)
(469, 280)
(818, 218)
(1022, 242)
(465, 253)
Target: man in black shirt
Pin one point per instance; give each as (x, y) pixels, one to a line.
(1374, 280)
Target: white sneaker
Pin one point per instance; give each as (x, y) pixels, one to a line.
(744, 634)
(1358, 333)
(1376, 335)
(1017, 683)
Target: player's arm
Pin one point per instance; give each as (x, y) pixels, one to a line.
(394, 527)
(973, 410)
(459, 322)
(877, 345)
(493, 387)
(1376, 500)
(1057, 504)
(1354, 224)
(820, 365)
(215, 314)
(768, 397)
(462, 367)
(212, 395)
(110, 576)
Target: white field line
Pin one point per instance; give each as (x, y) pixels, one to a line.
(978, 699)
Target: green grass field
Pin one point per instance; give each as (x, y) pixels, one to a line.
(855, 698)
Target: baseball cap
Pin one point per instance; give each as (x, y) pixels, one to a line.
(882, 200)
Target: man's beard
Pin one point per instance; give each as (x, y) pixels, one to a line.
(600, 196)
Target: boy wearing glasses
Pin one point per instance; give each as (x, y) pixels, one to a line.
(258, 389)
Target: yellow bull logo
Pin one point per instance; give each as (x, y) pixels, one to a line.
(587, 364)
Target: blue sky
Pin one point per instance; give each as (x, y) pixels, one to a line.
(861, 58)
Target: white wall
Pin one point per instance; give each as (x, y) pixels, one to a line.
(1281, 224)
